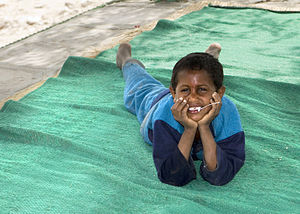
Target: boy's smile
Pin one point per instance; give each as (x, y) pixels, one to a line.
(196, 87)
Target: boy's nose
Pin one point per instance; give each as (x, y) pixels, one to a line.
(192, 97)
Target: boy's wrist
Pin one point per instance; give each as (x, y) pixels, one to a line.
(190, 128)
(190, 125)
(203, 128)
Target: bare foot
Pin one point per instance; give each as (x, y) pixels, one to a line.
(214, 49)
(124, 53)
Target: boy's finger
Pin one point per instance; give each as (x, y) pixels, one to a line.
(182, 105)
(216, 97)
(185, 109)
(219, 106)
(177, 102)
(216, 109)
(213, 107)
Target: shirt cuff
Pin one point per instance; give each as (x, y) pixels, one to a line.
(219, 158)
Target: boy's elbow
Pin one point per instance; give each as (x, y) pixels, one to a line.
(175, 171)
(222, 177)
(218, 182)
(173, 182)
(175, 179)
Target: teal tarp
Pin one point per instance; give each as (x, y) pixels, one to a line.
(71, 146)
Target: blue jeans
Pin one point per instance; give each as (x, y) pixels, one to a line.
(140, 89)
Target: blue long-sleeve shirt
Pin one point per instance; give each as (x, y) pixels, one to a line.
(161, 130)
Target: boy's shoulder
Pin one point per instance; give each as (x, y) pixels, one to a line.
(228, 122)
(163, 113)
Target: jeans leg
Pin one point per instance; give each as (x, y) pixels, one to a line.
(140, 89)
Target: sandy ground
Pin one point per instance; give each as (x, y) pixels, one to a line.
(21, 18)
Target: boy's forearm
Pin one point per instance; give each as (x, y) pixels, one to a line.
(209, 147)
(186, 142)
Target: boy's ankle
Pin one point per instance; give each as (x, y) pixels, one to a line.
(134, 61)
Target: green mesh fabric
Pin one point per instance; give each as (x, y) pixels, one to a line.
(71, 146)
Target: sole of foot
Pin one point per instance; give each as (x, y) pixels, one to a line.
(124, 53)
(214, 49)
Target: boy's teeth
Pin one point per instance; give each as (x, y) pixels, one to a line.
(195, 109)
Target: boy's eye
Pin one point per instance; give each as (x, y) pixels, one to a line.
(202, 89)
(184, 90)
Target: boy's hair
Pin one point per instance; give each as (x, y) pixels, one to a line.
(199, 61)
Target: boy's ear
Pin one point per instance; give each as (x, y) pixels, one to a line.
(172, 92)
(221, 91)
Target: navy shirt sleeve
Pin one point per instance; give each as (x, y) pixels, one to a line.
(230, 156)
(172, 168)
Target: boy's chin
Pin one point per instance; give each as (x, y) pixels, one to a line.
(196, 117)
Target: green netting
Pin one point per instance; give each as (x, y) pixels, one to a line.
(71, 146)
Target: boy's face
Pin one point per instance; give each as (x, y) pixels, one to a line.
(196, 87)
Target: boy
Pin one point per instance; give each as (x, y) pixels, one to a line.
(192, 120)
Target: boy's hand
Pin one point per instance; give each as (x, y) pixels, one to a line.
(213, 112)
(179, 111)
